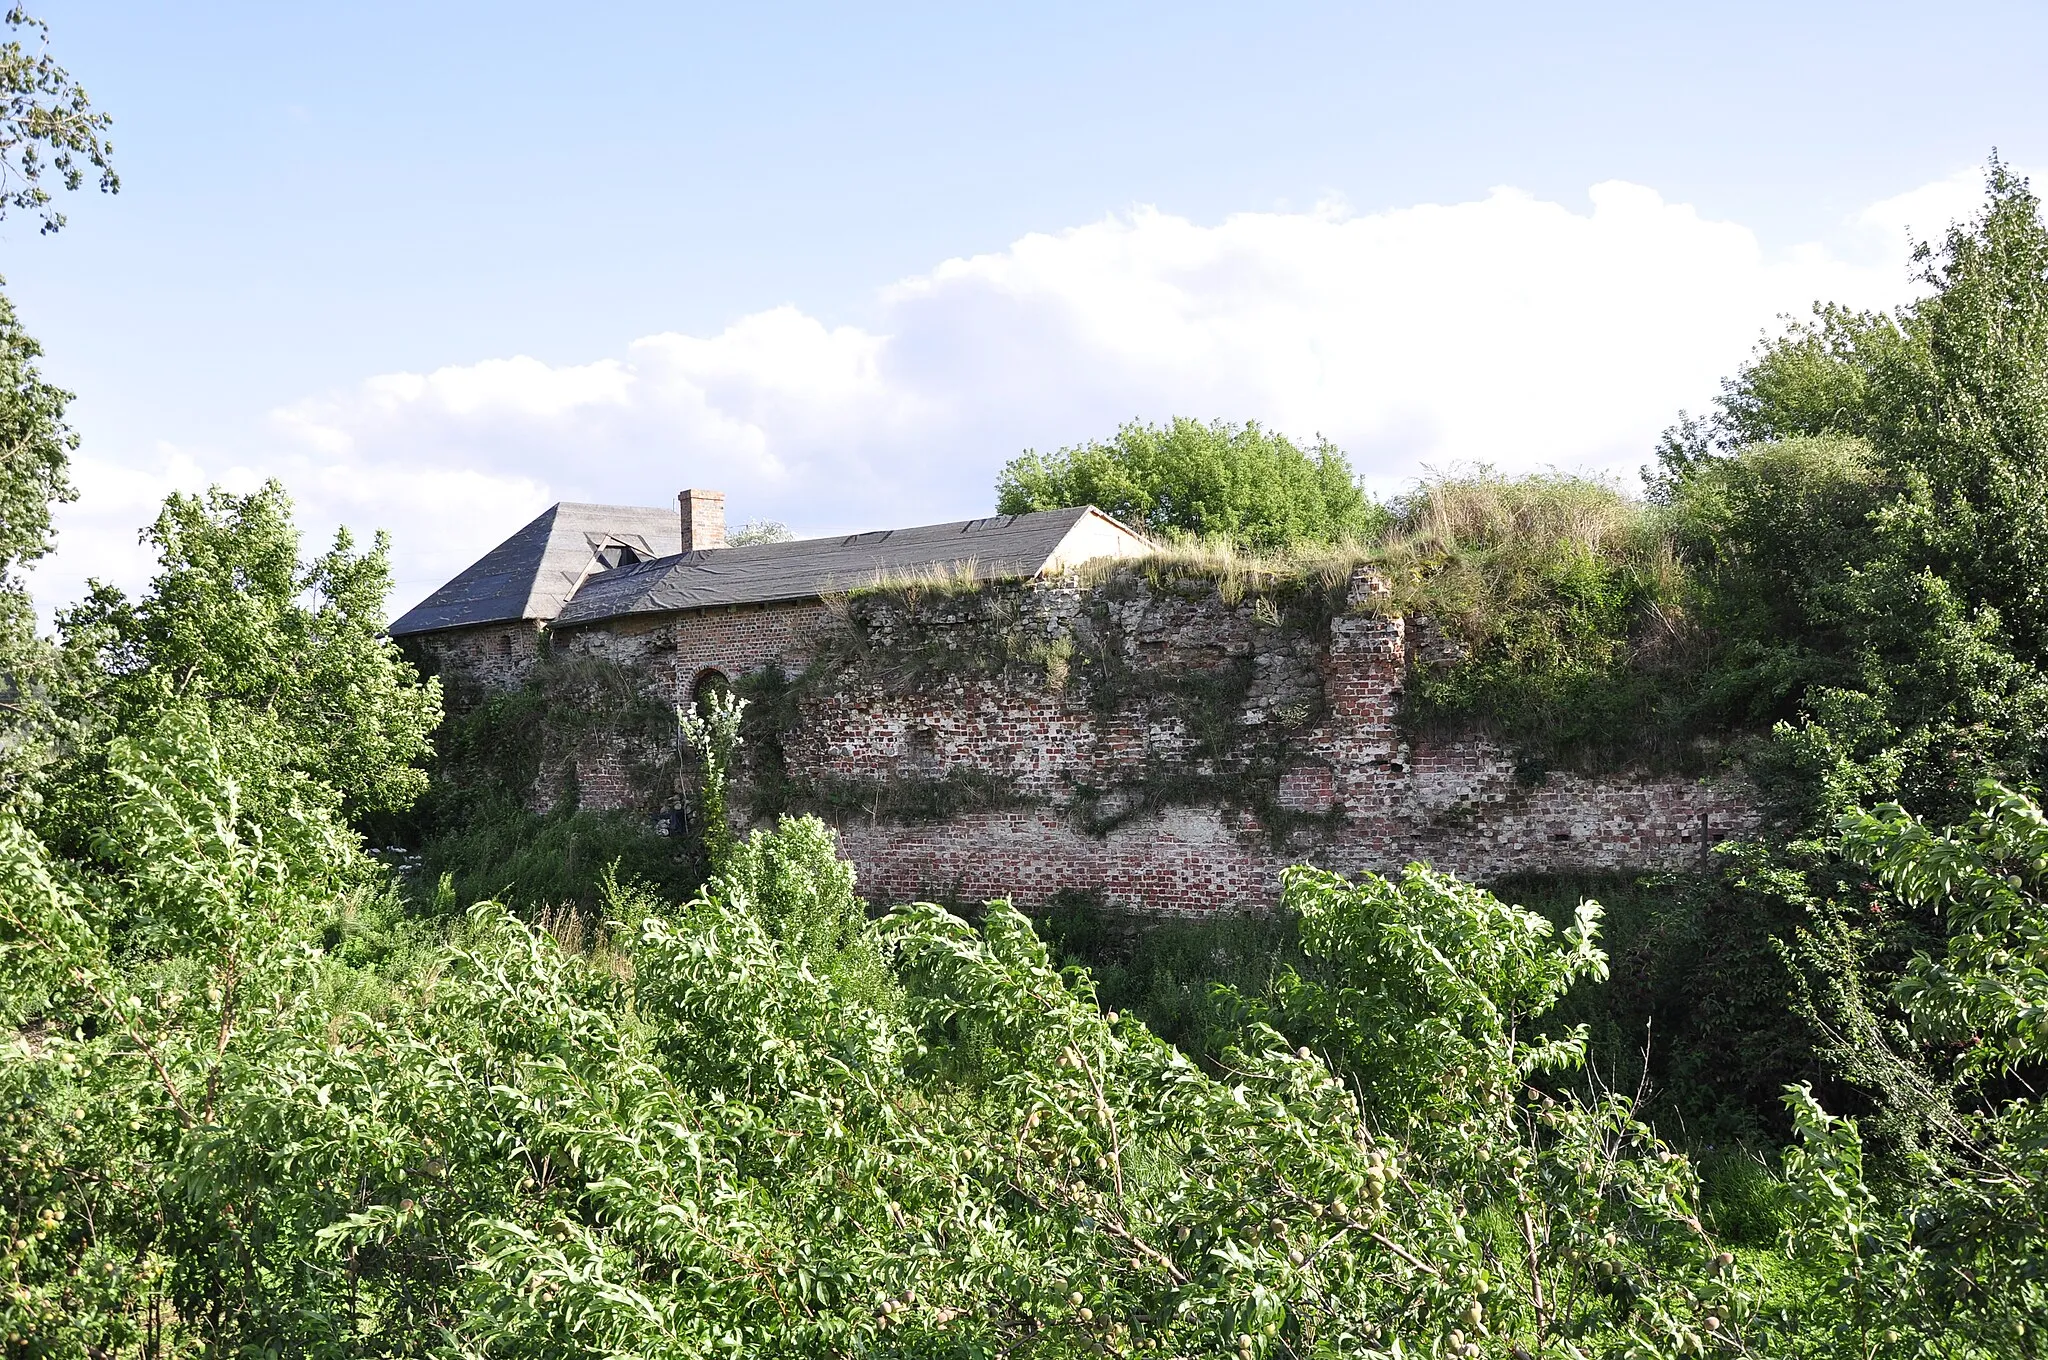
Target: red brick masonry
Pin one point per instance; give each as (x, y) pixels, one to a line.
(1378, 800)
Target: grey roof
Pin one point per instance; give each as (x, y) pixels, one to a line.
(997, 548)
(531, 574)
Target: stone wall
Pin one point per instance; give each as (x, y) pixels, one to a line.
(1136, 806)
(669, 655)
(491, 655)
(1154, 742)
(1192, 860)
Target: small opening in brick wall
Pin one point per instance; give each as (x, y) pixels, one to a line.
(709, 682)
(921, 751)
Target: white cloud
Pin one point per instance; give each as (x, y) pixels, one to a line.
(1506, 330)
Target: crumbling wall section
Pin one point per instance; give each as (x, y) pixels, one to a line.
(1195, 746)
(1193, 860)
(1170, 744)
(603, 715)
(736, 642)
(665, 657)
(476, 660)
(675, 651)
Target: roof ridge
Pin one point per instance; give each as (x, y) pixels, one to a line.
(993, 547)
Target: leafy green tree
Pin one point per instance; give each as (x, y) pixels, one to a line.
(1963, 414)
(1870, 511)
(1426, 986)
(35, 449)
(1952, 1253)
(1775, 533)
(35, 453)
(43, 112)
(287, 658)
(1815, 379)
(757, 531)
(1229, 481)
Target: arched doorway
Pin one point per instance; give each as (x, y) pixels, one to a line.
(709, 683)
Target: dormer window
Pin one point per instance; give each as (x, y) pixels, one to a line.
(610, 555)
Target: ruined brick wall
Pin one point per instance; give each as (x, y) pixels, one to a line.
(489, 656)
(1156, 743)
(1192, 860)
(668, 655)
(1139, 805)
(674, 651)
(603, 774)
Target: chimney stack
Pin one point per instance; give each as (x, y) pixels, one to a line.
(703, 519)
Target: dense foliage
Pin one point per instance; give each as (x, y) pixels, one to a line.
(1553, 614)
(1233, 482)
(1868, 506)
(257, 1110)
(34, 474)
(285, 662)
(263, 1097)
(476, 826)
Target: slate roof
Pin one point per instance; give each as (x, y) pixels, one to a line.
(1000, 547)
(533, 573)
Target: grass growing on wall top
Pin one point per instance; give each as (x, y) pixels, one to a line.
(1569, 620)
(1237, 571)
(909, 631)
(1553, 612)
(932, 579)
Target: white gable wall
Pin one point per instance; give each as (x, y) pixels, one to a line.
(1095, 536)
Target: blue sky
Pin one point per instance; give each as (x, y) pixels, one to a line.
(439, 264)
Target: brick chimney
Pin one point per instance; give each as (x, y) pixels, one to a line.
(703, 519)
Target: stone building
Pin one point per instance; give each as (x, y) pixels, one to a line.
(632, 581)
(1018, 706)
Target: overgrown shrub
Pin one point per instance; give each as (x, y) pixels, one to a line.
(482, 824)
(525, 859)
(1223, 481)
(1566, 621)
(1950, 1255)
(1181, 978)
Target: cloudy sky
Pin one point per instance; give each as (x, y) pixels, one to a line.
(437, 265)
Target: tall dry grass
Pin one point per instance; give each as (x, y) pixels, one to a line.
(1452, 547)
(1237, 571)
(1469, 551)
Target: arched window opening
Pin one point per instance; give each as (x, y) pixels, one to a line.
(709, 682)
